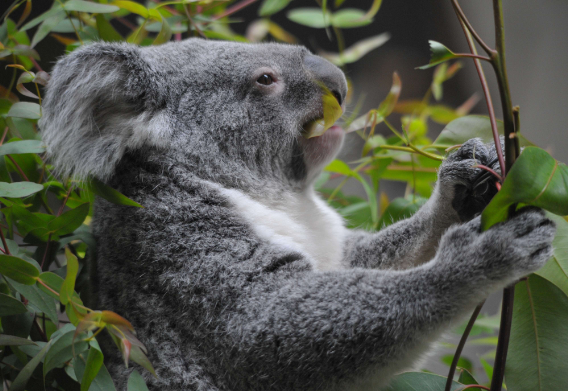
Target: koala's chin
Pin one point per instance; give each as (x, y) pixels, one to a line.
(319, 151)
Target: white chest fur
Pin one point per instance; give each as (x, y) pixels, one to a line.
(301, 222)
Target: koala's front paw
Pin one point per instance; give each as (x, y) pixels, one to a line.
(472, 188)
(507, 251)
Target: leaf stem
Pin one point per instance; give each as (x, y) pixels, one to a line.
(470, 55)
(461, 345)
(463, 19)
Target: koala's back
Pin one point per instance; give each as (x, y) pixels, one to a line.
(173, 268)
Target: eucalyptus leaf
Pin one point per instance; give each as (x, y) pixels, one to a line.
(92, 367)
(18, 269)
(10, 340)
(38, 298)
(311, 17)
(420, 381)
(23, 377)
(349, 18)
(556, 269)
(19, 189)
(45, 28)
(88, 6)
(538, 347)
(357, 51)
(110, 194)
(25, 110)
(11, 306)
(471, 126)
(63, 350)
(535, 179)
(106, 31)
(439, 54)
(24, 146)
(270, 7)
(136, 382)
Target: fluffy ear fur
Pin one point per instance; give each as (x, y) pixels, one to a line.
(102, 100)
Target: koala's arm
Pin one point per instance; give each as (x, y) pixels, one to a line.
(302, 330)
(414, 241)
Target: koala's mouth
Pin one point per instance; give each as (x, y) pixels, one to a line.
(316, 127)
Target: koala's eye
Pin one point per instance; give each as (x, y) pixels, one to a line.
(265, 80)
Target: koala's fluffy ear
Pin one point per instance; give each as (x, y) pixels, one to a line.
(102, 100)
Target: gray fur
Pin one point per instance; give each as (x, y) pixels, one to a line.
(219, 307)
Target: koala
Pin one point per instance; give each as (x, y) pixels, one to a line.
(236, 275)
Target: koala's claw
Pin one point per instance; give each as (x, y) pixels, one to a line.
(471, 186)
(522, 244)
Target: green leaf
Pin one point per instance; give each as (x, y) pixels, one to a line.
(165, 33)
(11, 306)
(62, 351)
(53, 281)
(24, 146)
(535, 179)
(556, 269)
(62, 225)
(38, 298)
(92, 367)
(18, 269)
(357, 51)
(87, 6)
(270, 7)
(56, 9)
(440, 54)
(136, 382)
(311, 17)
(349, 17)
(21, 380)
(19, 189)
(68, 286)
(106, 31)
(102, 382)
(538, 346)
(401, 208)
(45, 28)
(110, 194)
(420, 381)
(25, 110)
(133, 7)
(138, 356)
(465, 377)
(10, 340)
(471, 126)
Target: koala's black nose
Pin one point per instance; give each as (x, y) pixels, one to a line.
(328, 74)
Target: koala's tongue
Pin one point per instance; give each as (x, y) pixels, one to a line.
(332, 111)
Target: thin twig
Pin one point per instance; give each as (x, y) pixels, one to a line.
(488, 100)
(18, 168)
(237, 7)
(490, 52)
(476, 56)
(6, 250)
(461, 345)
(490, 170)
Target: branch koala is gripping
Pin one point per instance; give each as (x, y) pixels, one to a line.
(236, 275)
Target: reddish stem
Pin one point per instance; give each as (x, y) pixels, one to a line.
(495, 174)
(490, 108)
(35, 64)
(5, 250)
(234, 8)
(18, 168)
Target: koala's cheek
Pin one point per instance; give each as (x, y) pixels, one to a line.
(319, 151)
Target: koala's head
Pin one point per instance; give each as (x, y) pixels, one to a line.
(211, 101)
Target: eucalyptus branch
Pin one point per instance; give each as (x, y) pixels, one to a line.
(488, 99)
(463, 19)
(461, 345)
